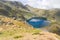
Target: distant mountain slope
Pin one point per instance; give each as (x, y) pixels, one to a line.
(51, 13)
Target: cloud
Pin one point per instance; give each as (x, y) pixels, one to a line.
(12, 0)
(39, 3)
(44, 4)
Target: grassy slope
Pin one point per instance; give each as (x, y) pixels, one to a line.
(18, 30)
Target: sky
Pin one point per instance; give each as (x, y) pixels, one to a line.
(43, 4)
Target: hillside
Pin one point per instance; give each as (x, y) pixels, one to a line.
(50, 14)
(14, 10)
(11, 29)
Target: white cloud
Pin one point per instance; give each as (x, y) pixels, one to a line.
(12, 0)
(39, 3)
(42, 3)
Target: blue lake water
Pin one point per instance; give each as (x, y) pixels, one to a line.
(37, 22)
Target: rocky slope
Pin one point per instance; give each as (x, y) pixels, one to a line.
(14, 10)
